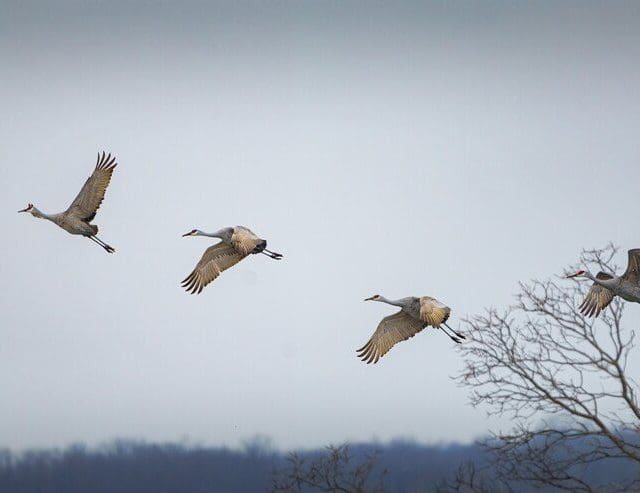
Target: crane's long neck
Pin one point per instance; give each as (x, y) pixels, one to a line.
(35, 212)
(391, 302)
(223, 234)
(606, 283)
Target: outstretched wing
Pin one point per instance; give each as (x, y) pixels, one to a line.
(597, 298)
(92, 193)
(632, 274)
(216, 258)
(391, 330)
(433, 312)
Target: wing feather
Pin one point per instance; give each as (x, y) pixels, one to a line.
(597, 298)
(91, 194)
(433, 312)
(215, 259)
(391, 330)
(244, 240)
(632, 274)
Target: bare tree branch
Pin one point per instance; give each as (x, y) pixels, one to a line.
(468, 478)
(561, 378)
(334, 471)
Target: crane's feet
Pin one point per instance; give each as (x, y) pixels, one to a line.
(457, 334)
(109, 248)
(455, 339)
(273, 255)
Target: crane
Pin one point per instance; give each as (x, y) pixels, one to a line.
(77, 218)
(606, 286)
(237, 243)
(415, 314)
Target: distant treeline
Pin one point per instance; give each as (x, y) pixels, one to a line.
(128, 467)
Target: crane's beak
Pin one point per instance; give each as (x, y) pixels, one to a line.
(579, 273)
(368, 299)
(24, 210)
(188, 234)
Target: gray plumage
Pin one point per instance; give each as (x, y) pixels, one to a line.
(237, 243)
(78, 216)
(606, 286)
(415, 314)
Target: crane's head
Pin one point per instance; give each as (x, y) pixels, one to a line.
(580, 273)
(29, 208)
(193, 232)
(375, 297)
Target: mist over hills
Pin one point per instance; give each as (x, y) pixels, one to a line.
(130, 466)
(127, 466)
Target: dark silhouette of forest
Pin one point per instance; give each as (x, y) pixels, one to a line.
(127, 466)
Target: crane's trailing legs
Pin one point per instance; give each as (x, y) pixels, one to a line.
(458, 334)
(273, 255)
(453, 338)
(97, 240)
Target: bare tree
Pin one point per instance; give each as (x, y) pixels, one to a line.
(562, 378)
(336, 470)
(469, 478)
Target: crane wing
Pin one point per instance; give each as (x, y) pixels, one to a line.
(216, 258)
(391, 330)
(433, 312)
(597, 298)
(87, 202)
(632, 274)
(244, 240)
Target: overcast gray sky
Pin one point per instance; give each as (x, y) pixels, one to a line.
(444, 149)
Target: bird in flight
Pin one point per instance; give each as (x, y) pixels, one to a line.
(77, 218)
(237, 243)
(415, 314)
(606, 286)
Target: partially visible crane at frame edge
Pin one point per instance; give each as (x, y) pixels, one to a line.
(605, 286)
